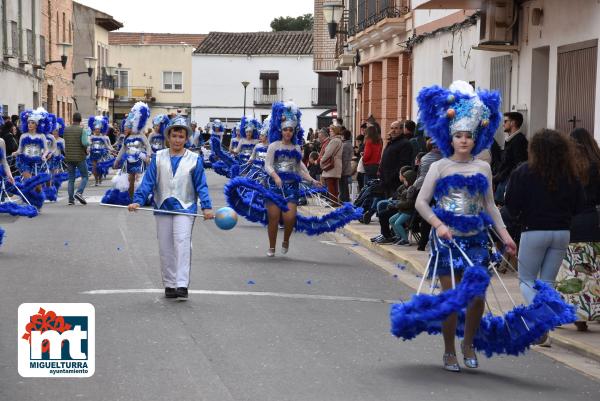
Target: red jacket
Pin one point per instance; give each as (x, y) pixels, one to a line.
(372, 154)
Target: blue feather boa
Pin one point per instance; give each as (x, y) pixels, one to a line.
(288, 153)
(50, 193)
(1, 235)
(59, 178)
(475, 184)
(425, 313)
(464, 223)
(115, 197)
(14, 209)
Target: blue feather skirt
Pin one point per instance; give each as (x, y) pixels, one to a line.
(249, 197)
(510, 334)
(27, 189)
(1, 236)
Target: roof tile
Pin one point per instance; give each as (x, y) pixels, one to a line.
(255, 43)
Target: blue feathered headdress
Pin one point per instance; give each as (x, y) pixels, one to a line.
(444, 112)
(98, 122)
(140, 112)
(162, 120)
(60, 126)
(39, 116)
(285, 114)
(217, 124)
(249, 123)
(266, 125)
(51, 123)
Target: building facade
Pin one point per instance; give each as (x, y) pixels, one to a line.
(57, 87)
(154, 68)
(276, 65)
(21, 73)
(93, 94)
(543, 60)
(376, 67)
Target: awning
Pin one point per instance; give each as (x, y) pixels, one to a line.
(451, 4)
(269, 75)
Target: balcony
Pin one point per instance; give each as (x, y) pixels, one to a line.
(106, 82)
(267, 96)
(323, 97)
(134, 93)
(370, 12)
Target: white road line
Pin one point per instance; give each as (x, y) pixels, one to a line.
(243, 293)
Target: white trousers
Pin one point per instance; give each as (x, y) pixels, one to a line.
(174, 234)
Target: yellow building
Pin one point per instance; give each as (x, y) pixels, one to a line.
(155, 68)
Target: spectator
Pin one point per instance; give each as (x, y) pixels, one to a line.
(346, 178)
(313, 165)
(496, 152)
(397, 153)
(386, 209)
(372, 154)
(543, 194)
(76, 143)
(331, 163)
(405, 207)
(15, 120)
(430, 157)
(8, 133)
(310, 136)
(111, 133)
(515, 152)
(418, 140)
(585, 235)
(323, 141)
(307, 149)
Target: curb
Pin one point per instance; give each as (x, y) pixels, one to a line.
(560, 340)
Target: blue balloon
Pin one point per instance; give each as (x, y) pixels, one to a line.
(226, 218)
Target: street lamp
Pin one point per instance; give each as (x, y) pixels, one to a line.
(245, 84)
(63, 54)
(332, 12)
(90, 64)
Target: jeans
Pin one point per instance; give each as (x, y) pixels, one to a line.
(397, 221)
(540, 254)
(83, 170)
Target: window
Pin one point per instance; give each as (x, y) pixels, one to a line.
(42, 50)
(269, 82)
(64, 21)
(57, 28)
(30, 47)
(122, 79)
(172, 81)
(58, 108)
(14, 36)
(70, 33)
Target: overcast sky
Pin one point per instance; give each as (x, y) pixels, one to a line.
(199, 16)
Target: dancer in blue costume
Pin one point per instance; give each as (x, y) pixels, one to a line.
(32, 154)
(236, 135)
(255, 168)
(132, 157)
(157, 137)
(462, 122)
(217, 130)
(56, 166)
(249, 128)
(275, 197)
(50, 191)
(100, 147)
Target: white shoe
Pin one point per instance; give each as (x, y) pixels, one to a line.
(271, 252)
(285, 249)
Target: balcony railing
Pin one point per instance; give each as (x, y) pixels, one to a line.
(264, 96)
(107, 82)
(342, 35)
(323, 97)
(133, 93)
(370, 12)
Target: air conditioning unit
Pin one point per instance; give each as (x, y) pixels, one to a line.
(498, 22)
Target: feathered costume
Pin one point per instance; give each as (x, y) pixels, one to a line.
(33, 147)
(248, 197)
(229, 164)
(157, 137)
(100, 146)
(132, 156)
(464, 203)
(217, 129)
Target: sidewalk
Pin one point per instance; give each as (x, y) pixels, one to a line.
(584, 343)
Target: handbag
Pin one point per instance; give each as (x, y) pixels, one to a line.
(360, 168)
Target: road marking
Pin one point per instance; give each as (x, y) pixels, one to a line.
(243, 293)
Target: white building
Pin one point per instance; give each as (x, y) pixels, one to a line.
(277, 66)
(21, 73)
(541, 55)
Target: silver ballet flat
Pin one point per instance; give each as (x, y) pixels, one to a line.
(450, 367)
(285, 247)
(271, 252)
(471, 363)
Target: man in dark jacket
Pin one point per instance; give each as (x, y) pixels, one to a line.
(76, 143)
(396, 154)
(515, 153)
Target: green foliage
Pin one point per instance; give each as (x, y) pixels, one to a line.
(301, 23)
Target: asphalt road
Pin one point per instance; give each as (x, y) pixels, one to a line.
(319, 333)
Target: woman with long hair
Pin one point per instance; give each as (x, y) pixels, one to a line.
(579, 276)
(543, 194)
(372, 153)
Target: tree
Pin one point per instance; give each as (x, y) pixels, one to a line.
(301, 23)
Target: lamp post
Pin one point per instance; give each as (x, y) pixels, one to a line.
(63, 54)
(245, 84)
(332, 12)
(90, 64)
